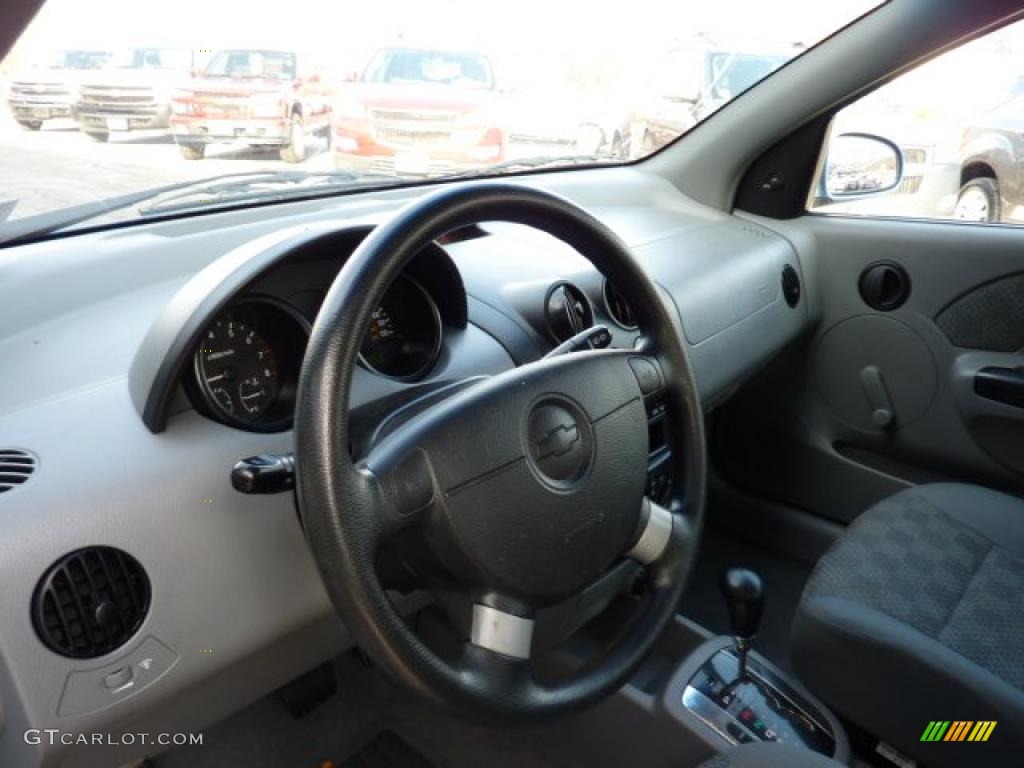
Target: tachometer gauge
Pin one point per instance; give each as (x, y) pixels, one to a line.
(246, 365)
(237, 368)
(405, 333)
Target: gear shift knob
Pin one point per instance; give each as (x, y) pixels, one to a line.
(744, 597)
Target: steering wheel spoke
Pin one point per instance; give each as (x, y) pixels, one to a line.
(655, 535)
(403, 492)
(502, 631)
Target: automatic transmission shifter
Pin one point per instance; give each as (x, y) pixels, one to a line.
(744, 596)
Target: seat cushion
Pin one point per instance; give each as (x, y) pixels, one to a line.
(769, 755)
(917, 614)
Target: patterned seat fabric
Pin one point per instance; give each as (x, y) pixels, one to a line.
(917, 614)
(912, 561)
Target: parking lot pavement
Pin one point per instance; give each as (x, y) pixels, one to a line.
(59, 166)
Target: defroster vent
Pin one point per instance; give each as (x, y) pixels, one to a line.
(90, 602)
(15, 468)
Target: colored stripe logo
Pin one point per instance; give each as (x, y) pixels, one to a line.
(958, 730)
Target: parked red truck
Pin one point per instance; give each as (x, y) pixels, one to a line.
(262, 98)
(420, 112)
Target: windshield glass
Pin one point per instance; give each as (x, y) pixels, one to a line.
(256, 64)
(78, 60)
(233, 103)
(149, 58)
(437, 67)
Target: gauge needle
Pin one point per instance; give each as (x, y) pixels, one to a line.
(212, 379)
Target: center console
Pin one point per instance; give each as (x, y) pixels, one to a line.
(761, 707)
(729, 695)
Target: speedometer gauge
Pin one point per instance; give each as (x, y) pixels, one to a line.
(405, 332)
(237, 368)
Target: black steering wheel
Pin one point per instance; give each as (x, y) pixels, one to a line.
(528, 486)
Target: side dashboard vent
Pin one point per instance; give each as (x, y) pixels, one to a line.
(15, 468)
(618, 309)
(568, 311)
(90, 602)
(791, 285)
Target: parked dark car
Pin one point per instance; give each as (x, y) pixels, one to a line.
(991, 183)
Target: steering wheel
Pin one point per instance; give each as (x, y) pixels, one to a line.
(528, 485)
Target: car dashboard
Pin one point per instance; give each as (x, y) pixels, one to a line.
(142, 363)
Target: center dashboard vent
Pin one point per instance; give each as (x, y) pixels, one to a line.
(618, 308)
(568, 311)
(90, 602)
(15, 468)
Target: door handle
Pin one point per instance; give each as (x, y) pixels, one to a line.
(1003, 385)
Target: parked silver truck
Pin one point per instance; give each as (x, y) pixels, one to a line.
(49, 89)
(133, 92)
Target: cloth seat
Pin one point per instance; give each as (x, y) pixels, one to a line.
(916, 614)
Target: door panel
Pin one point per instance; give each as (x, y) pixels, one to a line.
(875, 400)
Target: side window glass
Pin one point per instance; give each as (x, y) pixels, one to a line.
(958, 123)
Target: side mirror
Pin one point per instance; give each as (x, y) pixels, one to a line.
(861, 165)
(351, 76)
(195, 73)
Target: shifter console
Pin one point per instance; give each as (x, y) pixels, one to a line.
(759, 706)
(727, 692)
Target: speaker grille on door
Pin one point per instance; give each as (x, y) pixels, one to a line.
(90, 602)
(15, 468)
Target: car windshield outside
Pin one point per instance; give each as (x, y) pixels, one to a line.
(148, 58)
(76, 59)
(118, 111)
(274, 65)
(449, 68)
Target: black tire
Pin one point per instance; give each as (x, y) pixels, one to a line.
(979, 200)
(31, 125)
(97, 136)
(295, 151)
(192, 151)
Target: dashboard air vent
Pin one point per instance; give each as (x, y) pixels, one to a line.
(90, 602)
(15, 468)
(618, 309)
(568, 311)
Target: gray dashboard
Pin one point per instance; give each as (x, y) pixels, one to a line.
(237, 605)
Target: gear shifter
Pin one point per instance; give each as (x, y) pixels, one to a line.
(744, 597)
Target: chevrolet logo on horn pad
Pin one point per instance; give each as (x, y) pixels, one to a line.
(558, 442)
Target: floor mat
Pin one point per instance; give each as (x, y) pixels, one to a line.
(387, 751)
(783, 578)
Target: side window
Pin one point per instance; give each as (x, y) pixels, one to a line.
(958, 121)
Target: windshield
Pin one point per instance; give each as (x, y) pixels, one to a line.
(78, 60)
(248, 103)
(731, 73)
(273, 65)
(436, 67)
(149, 58)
